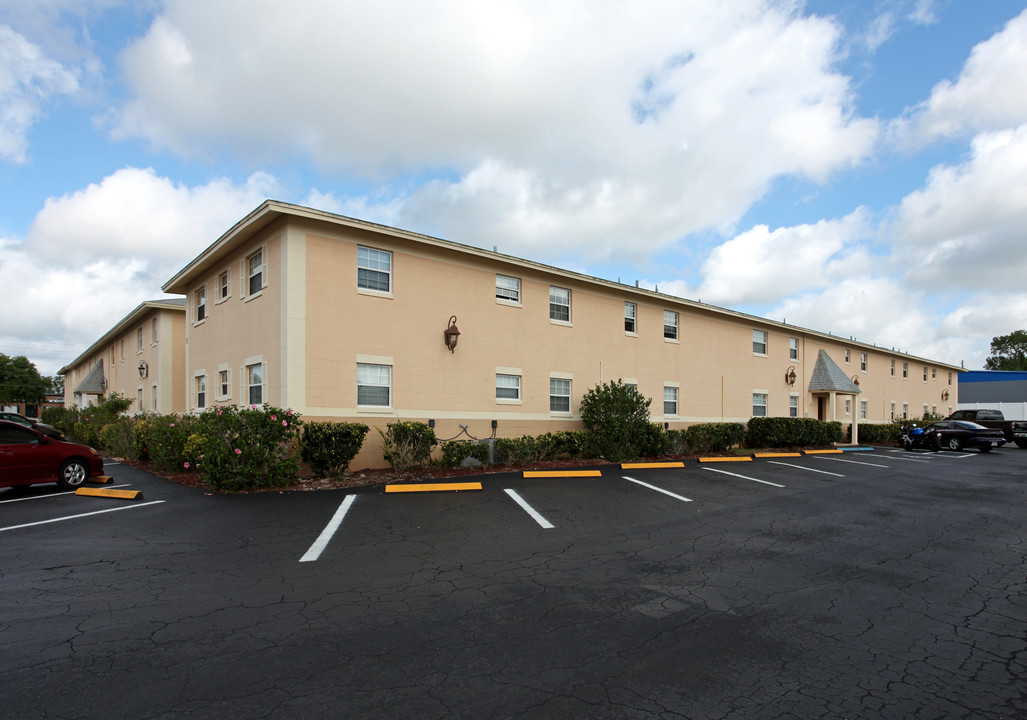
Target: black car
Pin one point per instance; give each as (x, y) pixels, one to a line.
(48, 430)
(960, 434)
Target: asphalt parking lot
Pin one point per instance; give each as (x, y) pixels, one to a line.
(882, 584)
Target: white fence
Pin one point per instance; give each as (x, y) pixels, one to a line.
(1011, 411)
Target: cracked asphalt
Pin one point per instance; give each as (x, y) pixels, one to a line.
(893, 587)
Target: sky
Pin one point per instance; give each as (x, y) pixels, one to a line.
(854, 167)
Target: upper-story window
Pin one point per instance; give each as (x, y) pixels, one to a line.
(223, 286)
(670, 325)
(925, 373)
(153, 332)
(793, 348)
(255, 270)
(508, 288)
(863, 361)
(630, 311)
(759, 342)
(201, 304)
(905, 370)
(893, 375)
(139, 338)
(374, 269)
(847, 354)
(559, 304)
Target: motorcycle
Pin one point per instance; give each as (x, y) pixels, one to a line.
(914, 438)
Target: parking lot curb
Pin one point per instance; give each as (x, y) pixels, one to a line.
(742, 458)
(111, 493)
(777, 454)
(638, 466)
(561, 473)
(822, 452)
(860, 448)
(100, 480)
(432, 487)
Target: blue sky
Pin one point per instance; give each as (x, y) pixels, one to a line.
(852, 167)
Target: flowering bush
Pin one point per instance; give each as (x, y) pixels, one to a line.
(246, 448)
(162, 439)
(118, 438)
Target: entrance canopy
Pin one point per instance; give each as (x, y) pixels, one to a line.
(828, 377)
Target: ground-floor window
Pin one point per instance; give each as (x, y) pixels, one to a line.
(508, 387)
(759, 405)
(862, 409)
(559, 395)
(255, 384)
(374, 385)
(201, 391)
(670, 401)
(793, 406)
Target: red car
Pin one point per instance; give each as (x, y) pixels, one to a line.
(28, 457)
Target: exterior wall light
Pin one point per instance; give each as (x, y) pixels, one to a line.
(451, 334)
(855, 380)
(790, 375)
(945, 395)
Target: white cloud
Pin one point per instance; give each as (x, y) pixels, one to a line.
(989, 94)
(550, 127)
(28, 80)
(94, 255)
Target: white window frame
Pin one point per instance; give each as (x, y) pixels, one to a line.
(893, 367)
(153, 332)
(630, 318)
(507, 381)
(760, 395)
(557, 384)
(925, 373)
(905, 371)
(200, 390)
(364, 379)
(260, 274)
(508, 290)
(556, 308)
(864, 361)
(224, 288)
(200, 304)
(155, 408)
(369, 262)
(765, 342)
(670, 329)
(248, 385)
(863, 409)
(848, 354)
(848, 406)
(793, 348)
(793, 405)
(224, 383)
(671, 394)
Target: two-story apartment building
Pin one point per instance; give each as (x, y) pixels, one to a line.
(142, 358)
(343, 319)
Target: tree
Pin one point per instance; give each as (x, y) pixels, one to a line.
(20, 381)
(1008, 352)
(56, 384)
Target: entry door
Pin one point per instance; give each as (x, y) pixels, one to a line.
(821, 408)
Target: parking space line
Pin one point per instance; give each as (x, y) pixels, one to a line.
(854, 462)
(658, 489)
(801, 467)
(535, 515)
(51, 495)
(743, 477)
(326, 535)
(81, 515)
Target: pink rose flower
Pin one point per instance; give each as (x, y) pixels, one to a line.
(238, 451)
(185, 465)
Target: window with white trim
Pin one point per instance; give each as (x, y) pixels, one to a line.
(153, 333)
(201, 304)
(862, 409)
(759, 404)
(670, 400)
(905, 370)
(759, 342)
(630, 311)
(201, 391)
(847, 353)
(559, 395)
(374, 385)
(255, 384)
(925, 373)
(905, 411)
(374, 269)
(793, 406)
(508, 289)
(670, 325)
(848, 406)
(224, 382)
(893, 372)
(139, 338)
(893, 409)
(139, 399)
(223, 285)
(508, 387)
(154, 399)
(925, 409)
(255, 272)
(863, 362)
(559, 304)
(793, 349)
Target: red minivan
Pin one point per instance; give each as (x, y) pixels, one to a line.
(28, 457)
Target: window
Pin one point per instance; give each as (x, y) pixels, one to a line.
(139, 336)
(201, 391)
(153, 332)
(223, 286)
(508, 387)
(848, 406)
(793, 406)
(374, 269)
(793, 348)
(905, 411)
(630, 310)
(862, 409)
(905, 370)
(925, 373)
(121, 349)
(925, 409)
(110, 354)
(863, 362)
(374, 385)
(934, 373)
(255, 384)
(934, 409)
(759, 404)
(559, 304)
(508, 288)
(950, 378)
(670, 401)
(559, 395)
(893, 370)
(223, 382)
(893, 408)
(846, 356)
(153, 400)
(759, 342)
(201, 304)
(255, 272)
(139, 400)
(670, 325)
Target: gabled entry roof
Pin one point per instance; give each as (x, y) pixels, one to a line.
(828, 377)
(92, 384)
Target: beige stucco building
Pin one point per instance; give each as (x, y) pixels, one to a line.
(341, 319)
(142, 358)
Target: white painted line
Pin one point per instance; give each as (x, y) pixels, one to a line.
(326, 535)
(82, 515)
(530, 510)
(854, 462)
(744, 477)
(44, 497)
(657, 489)
(800, 467)
(906, 458)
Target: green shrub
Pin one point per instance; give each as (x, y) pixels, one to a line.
(62, 418)
(616, 418)
(713, 437)
(162, 439)
(876, 434)
(456, 451)
(653, 441)
(329, 447)
(93, 419)
(407, 444)
(118, 438)
(767, 432)
(247, 448)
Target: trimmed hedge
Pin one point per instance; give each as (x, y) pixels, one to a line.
(877, 434)
(770, 432)
(713, 437)
(329, 447)
(455, 452)
(407, 444)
